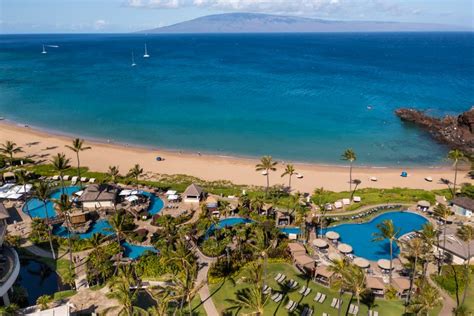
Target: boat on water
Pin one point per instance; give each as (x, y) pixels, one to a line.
(146, 55)
(133, 60)
(44, 50)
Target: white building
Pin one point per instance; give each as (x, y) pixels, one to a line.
(193, 194)
(463, 206)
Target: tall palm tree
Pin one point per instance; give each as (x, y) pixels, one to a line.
(125, 288)
(289, 171)
(257, 203)
(10, 148)
(429, 235)
(63, 206)
(466, 234)
(22, 179)
(426, 299)
(61, 164)
(113, 173)
(455, 156)
(118, 223)
(135, 173)
(266, 164)
(78, 146)
(95, 241)
(415, 248)
(355, 281)
(339, 269)
(349, 155)
(387, 231)
(443, 212)
(42, 192)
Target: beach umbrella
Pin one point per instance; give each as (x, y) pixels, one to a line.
(361, 262)
(344, 248)
(384, 264)
(320, 243)
(131, 198)
(332, 235)
(334, 256)
(424, 204)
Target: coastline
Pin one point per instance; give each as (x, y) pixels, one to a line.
(239, 170)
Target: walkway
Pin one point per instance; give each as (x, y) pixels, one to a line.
(448, 302)
(204, 293)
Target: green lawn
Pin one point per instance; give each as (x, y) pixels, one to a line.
(447, 281)
(223, 291)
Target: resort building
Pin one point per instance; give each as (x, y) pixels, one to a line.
(193, 194)
(9, 261)
(97, 196)
(456, 247)
(463, 206)
(62, 310)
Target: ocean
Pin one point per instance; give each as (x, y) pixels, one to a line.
(300, 97)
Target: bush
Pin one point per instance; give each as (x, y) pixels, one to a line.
(449, 275)
(149, 266)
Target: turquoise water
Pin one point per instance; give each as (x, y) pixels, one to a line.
(360, 236)
(294, 96)
(101, 226)
(135, 251)
(290, 230)
(228, 222)
(156, 203)
(35, 207)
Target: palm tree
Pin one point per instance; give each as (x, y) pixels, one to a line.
(415, 249)
(387, 231)
(121, 290)
(443, 212)
(61, 164)
(63, 206)
(455, 156)
(118, 223)
(357, 182)
(466, 234)
(426, 299)
(338, 267)
(135, 172)
(78, 146)
(266, 164)
(355, 281)
(429, 235)
(251, 298)
(42, 192)
(257, 203)
(95, 241)
(113, 173)
(10, 148)
(289, 171)
(43, 301)
(349, 155)
(22, 179)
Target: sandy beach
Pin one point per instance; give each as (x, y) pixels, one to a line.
(210, 167)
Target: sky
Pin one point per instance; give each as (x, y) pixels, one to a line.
(111, 16)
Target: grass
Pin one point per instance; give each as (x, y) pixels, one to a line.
(225, 290)
(63, 294)
(447, 281)
(61, 266)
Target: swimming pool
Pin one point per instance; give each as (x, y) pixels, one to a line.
(156, 204)
(360, 236)
(228, 222)
(290, 230)
(35, 207)
(135, 251)
(101, 226)
(38, 279)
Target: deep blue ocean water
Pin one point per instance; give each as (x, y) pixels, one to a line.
(303, 97)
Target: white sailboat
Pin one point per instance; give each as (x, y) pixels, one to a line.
(44, 51)
(133, 60)
(146, 53)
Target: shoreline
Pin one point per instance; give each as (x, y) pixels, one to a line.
(210, 167)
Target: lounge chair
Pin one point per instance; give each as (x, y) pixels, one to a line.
(267, 290)
(289, 305)
(304, 312)
(278, 276)
(322, 298)
(279, 298)
(302, 290)
(292, 284)
(373, 313)
(334, 302)
(281, 279)
(84, 179)
(74, 180)
(306, 291)
(353, 309)
(66, 178)
(326, 314)
(91, 180)
(317, 297)
(274, 296)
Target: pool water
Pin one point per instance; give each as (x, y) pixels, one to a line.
(290, 230)
(156, 204)
(35, 207)
(360, 236)
(228, 222)
(135, 251)
(37, 279)
(101, 226)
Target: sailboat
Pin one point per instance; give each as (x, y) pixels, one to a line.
(146, 53)
(133, 60)
(44, 51)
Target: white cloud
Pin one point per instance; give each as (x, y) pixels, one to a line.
(100, 24)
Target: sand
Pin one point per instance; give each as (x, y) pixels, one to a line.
(211, 167)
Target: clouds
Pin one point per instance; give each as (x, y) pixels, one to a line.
(99, 24)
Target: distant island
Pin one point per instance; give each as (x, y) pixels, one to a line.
(267, 23)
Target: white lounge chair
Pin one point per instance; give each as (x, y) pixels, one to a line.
(317, 297)
(353, 309)
(338, 204)
(279, 298)
(55, 178)
(373, 313)
(326, 314)
(74, 180)
(278, 276)
(281, 279)
(84, 179)
(66, 177)
(357, 199)
(322, 298)
(91, 180)
(346, 201)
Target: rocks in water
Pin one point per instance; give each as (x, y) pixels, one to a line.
(456, 132)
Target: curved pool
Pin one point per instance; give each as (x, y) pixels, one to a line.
(35, 207)
(156, 204)
(135, 251)
(101, 226)
(360, 236)
(228, 222)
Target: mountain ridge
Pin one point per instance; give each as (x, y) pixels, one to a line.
(242, 22)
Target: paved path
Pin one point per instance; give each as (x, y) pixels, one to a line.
(204, 293)
(448, 302)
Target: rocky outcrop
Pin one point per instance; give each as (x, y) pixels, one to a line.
(456, 132)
